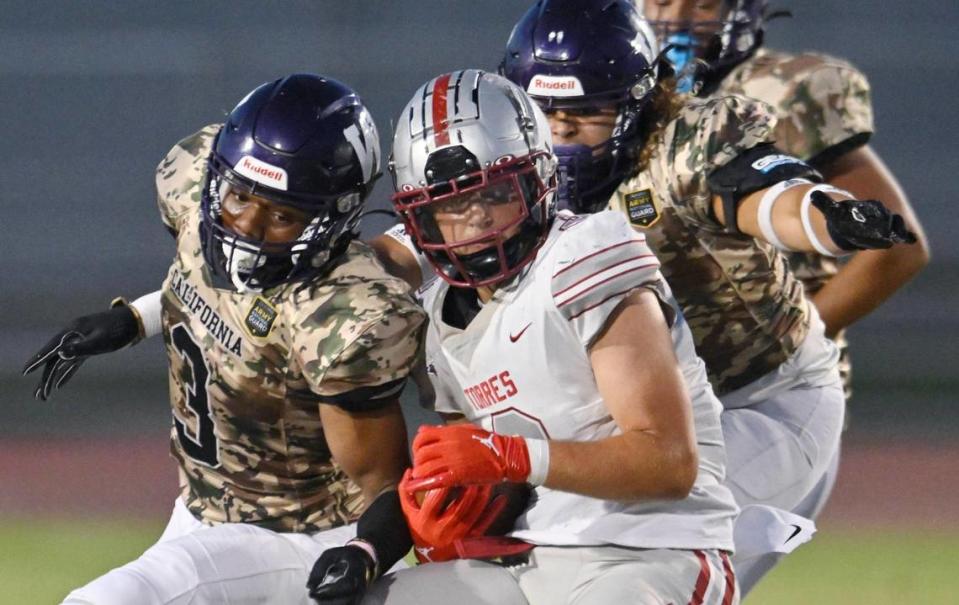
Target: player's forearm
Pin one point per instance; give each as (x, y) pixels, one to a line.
(864, 283)
(635, 465)
(784, 216)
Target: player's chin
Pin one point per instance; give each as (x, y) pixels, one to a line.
(486, 243)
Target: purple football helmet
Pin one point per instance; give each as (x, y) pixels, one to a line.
(703, 52)
(582, 54)
(304, 141)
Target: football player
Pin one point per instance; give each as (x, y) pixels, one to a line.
(559, 342)
(719, 205)
(825, 117)
(288, 345)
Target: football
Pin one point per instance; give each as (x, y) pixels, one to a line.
(517, 499)
(452, 494)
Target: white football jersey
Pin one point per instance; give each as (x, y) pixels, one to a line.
(521, 367)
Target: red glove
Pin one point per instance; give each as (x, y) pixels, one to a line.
(446, 515)
(464, 454)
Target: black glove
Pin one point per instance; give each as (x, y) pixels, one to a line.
(862, 224)
(88, 335)
(341, 575)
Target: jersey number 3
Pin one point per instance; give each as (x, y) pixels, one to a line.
(202, 445)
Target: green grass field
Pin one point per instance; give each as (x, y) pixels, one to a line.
(41, 561)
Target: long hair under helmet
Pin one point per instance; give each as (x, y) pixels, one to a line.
(303, 141)
(474, 137)
(704, 52)
(582, 54)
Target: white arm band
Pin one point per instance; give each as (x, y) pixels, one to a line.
(766, 204)
(150, 310)
(807, 223)
(368, 549)
(398, 233)
(538, 460)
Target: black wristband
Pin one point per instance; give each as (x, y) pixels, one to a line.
(384, 527)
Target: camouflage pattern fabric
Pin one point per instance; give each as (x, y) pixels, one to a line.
(248, 371)
(822, 103)
(746, 310)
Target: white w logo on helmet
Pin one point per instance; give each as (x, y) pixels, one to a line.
(367, 147)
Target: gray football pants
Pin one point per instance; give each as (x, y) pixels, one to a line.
(572, 575)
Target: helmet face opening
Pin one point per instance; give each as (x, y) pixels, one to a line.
(706, 49)
(305, 142)
(474, 174)
(255, 265)
(495, 219)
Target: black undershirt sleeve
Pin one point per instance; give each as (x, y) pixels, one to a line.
(384, 527)
(367, 399)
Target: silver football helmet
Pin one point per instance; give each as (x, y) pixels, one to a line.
(465, 133)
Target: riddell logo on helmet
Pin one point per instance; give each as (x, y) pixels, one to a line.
(261, 172)
(555, 86)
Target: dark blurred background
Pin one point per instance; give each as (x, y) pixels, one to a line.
(93, 94)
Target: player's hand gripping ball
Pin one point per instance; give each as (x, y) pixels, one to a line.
(464, 454)
(439, 517)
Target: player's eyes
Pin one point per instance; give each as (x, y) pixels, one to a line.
(235, 203)
(286, 219)
(496, 196)
(587, 114)
(575, 112)
(456, 205)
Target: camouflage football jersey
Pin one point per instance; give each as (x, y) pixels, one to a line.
(824, 109)
(746, 309)
(249, 371)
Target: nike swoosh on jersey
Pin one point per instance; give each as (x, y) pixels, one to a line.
(514, 338)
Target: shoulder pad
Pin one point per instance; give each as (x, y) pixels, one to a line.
(601, 257)
(827, 100)
(708, 133)
(181, 174)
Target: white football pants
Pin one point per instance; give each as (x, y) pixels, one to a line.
(783, 452)
(230, 563)
(571, 575)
